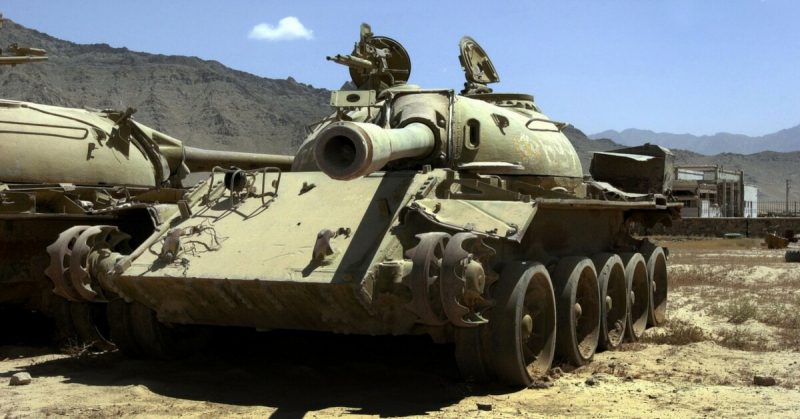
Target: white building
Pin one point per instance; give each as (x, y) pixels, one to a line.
(750, 201)
(711, 191)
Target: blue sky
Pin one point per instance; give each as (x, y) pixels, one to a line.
(678, 66)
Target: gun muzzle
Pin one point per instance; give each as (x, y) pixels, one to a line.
(347, 150)
(200, 160)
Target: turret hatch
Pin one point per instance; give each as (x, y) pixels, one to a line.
(478, 68)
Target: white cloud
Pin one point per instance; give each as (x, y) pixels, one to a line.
(288, 28)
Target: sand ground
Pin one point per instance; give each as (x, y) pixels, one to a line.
(733, 315)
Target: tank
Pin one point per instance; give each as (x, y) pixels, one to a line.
(409, 211)
(66, 169)
(74, 170)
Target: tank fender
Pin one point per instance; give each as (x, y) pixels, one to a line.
(498, 219)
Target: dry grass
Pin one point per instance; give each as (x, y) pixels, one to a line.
(776, 309)
(709, 243)
(697, 276)
(738, 281)
(86, 355)
(780, 310)
(676, 332)
(789, 338)
(737, 311)
(742, 339)
(721, 252)
(790, 280)
(781, 314)
(632, 347)
(679, 332)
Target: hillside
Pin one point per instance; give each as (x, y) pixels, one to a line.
(202, 102)
(209, 105)
(784, 140)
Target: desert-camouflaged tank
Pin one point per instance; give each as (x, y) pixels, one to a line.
(89, 173)
(466, 217)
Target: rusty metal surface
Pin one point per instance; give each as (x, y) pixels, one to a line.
(644, 169)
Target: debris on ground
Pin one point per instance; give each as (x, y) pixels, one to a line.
(792, 256)
(764, 381)
(486, 407)
(540, 385)
(20, 379)
(774, 241)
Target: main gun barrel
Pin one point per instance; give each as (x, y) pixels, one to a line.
(200, 160)
(347, 150)
(14, 60)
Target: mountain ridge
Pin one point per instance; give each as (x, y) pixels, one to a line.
(785, 140)
(203, 102)
(206, 104)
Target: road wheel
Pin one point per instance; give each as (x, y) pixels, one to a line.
(471, 345)
(657, 275)
(638, 286)
(121, 327)
(613, 299)
(90, 322)
(163, 341)
(578, 307)
(517, 346)
(523, 324)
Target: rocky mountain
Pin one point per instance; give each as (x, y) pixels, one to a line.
(585, 146)
(201, 102)
(209, 105)
(723, 142)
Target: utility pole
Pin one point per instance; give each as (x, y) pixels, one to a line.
(788, 187)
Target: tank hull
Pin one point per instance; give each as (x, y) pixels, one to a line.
(253, 264)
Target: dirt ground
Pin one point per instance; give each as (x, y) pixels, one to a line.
(734, 314)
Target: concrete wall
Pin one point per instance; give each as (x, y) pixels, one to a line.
(716, 227)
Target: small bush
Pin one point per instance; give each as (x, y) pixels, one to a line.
(781, 315)
(696, 276)
(738, 311)
(790, 338)
(676, 332)
(739, 338)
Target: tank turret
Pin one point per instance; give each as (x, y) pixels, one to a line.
(398, 126)
(52, 145)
